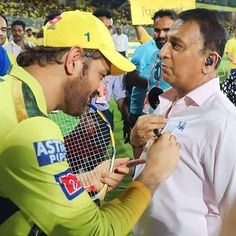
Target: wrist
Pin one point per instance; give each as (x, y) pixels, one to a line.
(146, 179)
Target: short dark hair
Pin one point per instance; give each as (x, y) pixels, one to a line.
(102, 12)
(212, 30)
(4, 19)
(51, 16)
(29, 29)
(18, 22)
(49, 55)
(165, 12)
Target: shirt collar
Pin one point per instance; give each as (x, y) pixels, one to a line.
(13, 43)
(205, 91)
(198, 95)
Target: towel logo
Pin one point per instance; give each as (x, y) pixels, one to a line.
(181, 125)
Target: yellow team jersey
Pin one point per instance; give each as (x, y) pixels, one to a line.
(32, 39)
(35, 176)
(230, 48)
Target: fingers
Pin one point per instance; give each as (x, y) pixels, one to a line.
(123, 170)
(152, 119)
(121, 162)
(144, 127)
(135, 162)
(111, 179)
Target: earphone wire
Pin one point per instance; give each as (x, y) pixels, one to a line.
(222, 67)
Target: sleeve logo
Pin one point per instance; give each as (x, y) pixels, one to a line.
(70, 184)
(49, 152)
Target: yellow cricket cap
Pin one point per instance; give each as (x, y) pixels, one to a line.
(77, 28)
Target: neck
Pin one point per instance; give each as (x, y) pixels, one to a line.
(20, 43)
(184, 90)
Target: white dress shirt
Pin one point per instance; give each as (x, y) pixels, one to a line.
(15, 49)
(190, 202)
(121, 42)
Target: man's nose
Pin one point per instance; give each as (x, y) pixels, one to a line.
(164, 51)
(162, 34)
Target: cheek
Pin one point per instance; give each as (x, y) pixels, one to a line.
(94, 81)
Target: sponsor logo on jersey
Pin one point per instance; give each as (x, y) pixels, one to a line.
(175, 126)
(70, 184)
(49, 152)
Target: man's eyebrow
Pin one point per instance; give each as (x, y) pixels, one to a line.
(176, 39)
(167, 28)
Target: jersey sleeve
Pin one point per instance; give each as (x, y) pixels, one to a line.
(37, 178)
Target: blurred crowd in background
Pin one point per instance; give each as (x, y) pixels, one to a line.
(33, 12)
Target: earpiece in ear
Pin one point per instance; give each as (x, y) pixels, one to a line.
(209, 61)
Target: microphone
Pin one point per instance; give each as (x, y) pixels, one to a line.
(153, 97)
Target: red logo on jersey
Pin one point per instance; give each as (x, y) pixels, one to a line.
(69, 184)
(55, 20)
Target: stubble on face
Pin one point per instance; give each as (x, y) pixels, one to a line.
(77, 94)
(161, 28)
(79, 89)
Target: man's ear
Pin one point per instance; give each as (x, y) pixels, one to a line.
(73, 56)
(210, 62)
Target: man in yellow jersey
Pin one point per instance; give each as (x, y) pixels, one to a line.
(39, 193)
(230, 50)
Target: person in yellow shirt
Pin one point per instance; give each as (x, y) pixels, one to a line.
(42, 193)
(230, 50)
(30, 37)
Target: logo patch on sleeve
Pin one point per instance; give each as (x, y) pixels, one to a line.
(49, 152)
(70, 184)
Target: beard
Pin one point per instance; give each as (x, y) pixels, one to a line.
(160, 42)
(77, 96)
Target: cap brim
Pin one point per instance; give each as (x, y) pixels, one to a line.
(120, 64)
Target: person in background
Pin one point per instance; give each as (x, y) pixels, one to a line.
(111, 85)
(121, 41)
(18, 42)
(228, 87)
(3, 29)
(39, 191)
(4, 61)
(230, 50)
(148, 72)
(193, 200)
(3, 37)
(30, 37)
